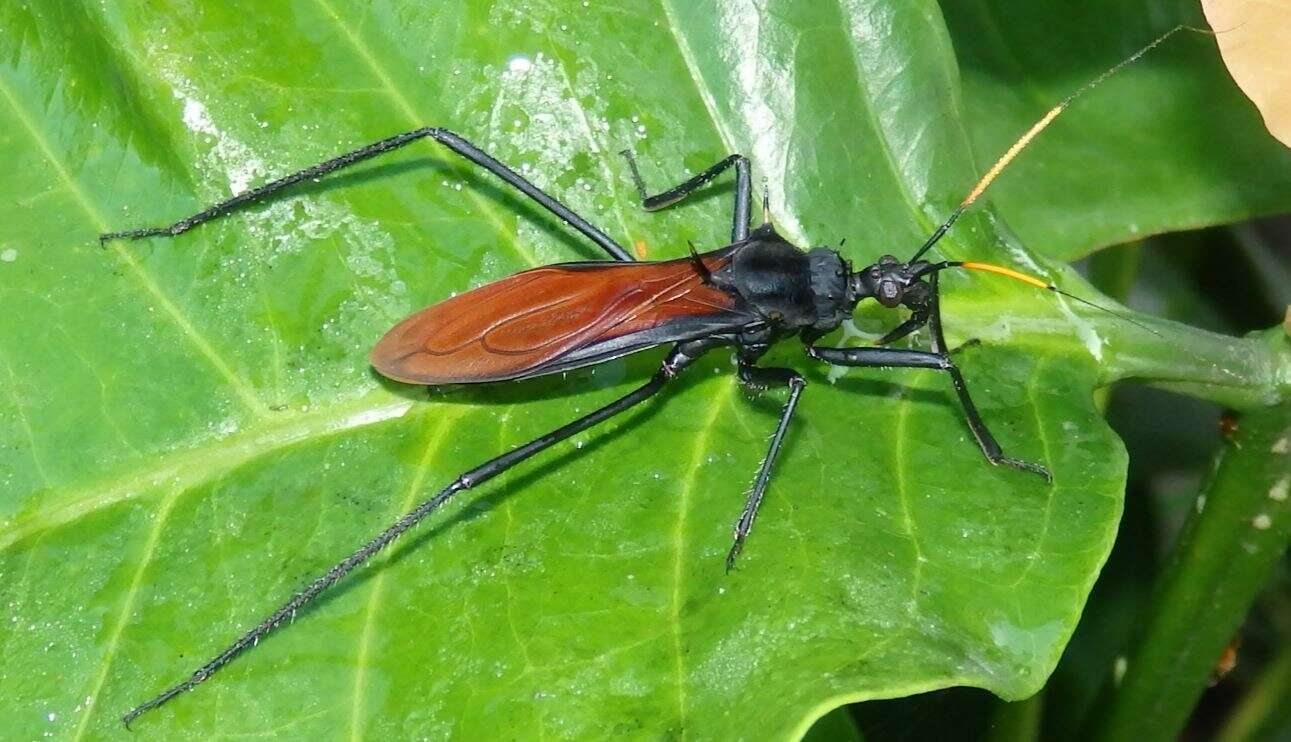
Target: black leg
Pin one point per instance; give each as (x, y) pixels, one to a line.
(443, 136)
(934, 314)
(917, 320)
(743, 190)
(989, 445)
(681, 356)
(761, 378)
(898, 358)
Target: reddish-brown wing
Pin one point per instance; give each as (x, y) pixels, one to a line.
(553, 319)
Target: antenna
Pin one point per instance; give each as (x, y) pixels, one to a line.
(1036, 128)
(1036, 282)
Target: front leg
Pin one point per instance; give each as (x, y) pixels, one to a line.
(940, 361)
(918, 319)
(762, 378)
(984, 438)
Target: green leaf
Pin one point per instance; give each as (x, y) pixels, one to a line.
(1168, 143)
(190, 431)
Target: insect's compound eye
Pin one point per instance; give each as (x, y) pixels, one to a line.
(888, 293)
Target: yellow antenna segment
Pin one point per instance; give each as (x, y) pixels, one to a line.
(994, 171)
(1003, 271)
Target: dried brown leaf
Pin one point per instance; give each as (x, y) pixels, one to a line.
(1255, 38)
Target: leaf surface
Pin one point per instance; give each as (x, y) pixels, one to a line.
(190, 432)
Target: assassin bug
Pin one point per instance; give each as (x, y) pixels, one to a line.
(750, 294)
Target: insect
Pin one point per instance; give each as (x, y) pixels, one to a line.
(756, 291)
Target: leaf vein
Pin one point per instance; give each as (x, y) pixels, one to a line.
(1053, 488)
(405, 107)
(240, 387)
(433, 444)
(20, 408)
(697, 77)
(596, 149)
(200, 463)
(679, 535)
(127, 605)
(884, 145)
(907, 518)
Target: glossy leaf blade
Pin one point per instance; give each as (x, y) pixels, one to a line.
(191, 430)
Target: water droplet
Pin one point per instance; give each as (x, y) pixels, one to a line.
(9, 255)
(519, 64)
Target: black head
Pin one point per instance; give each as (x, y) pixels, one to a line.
(887, 280)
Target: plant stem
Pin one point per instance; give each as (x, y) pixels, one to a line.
(1113, 271)
(1263, 707)
(1233, 539)
(1018, 721)
(1243, 373)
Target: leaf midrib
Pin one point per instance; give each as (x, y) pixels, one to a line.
(203, 462)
